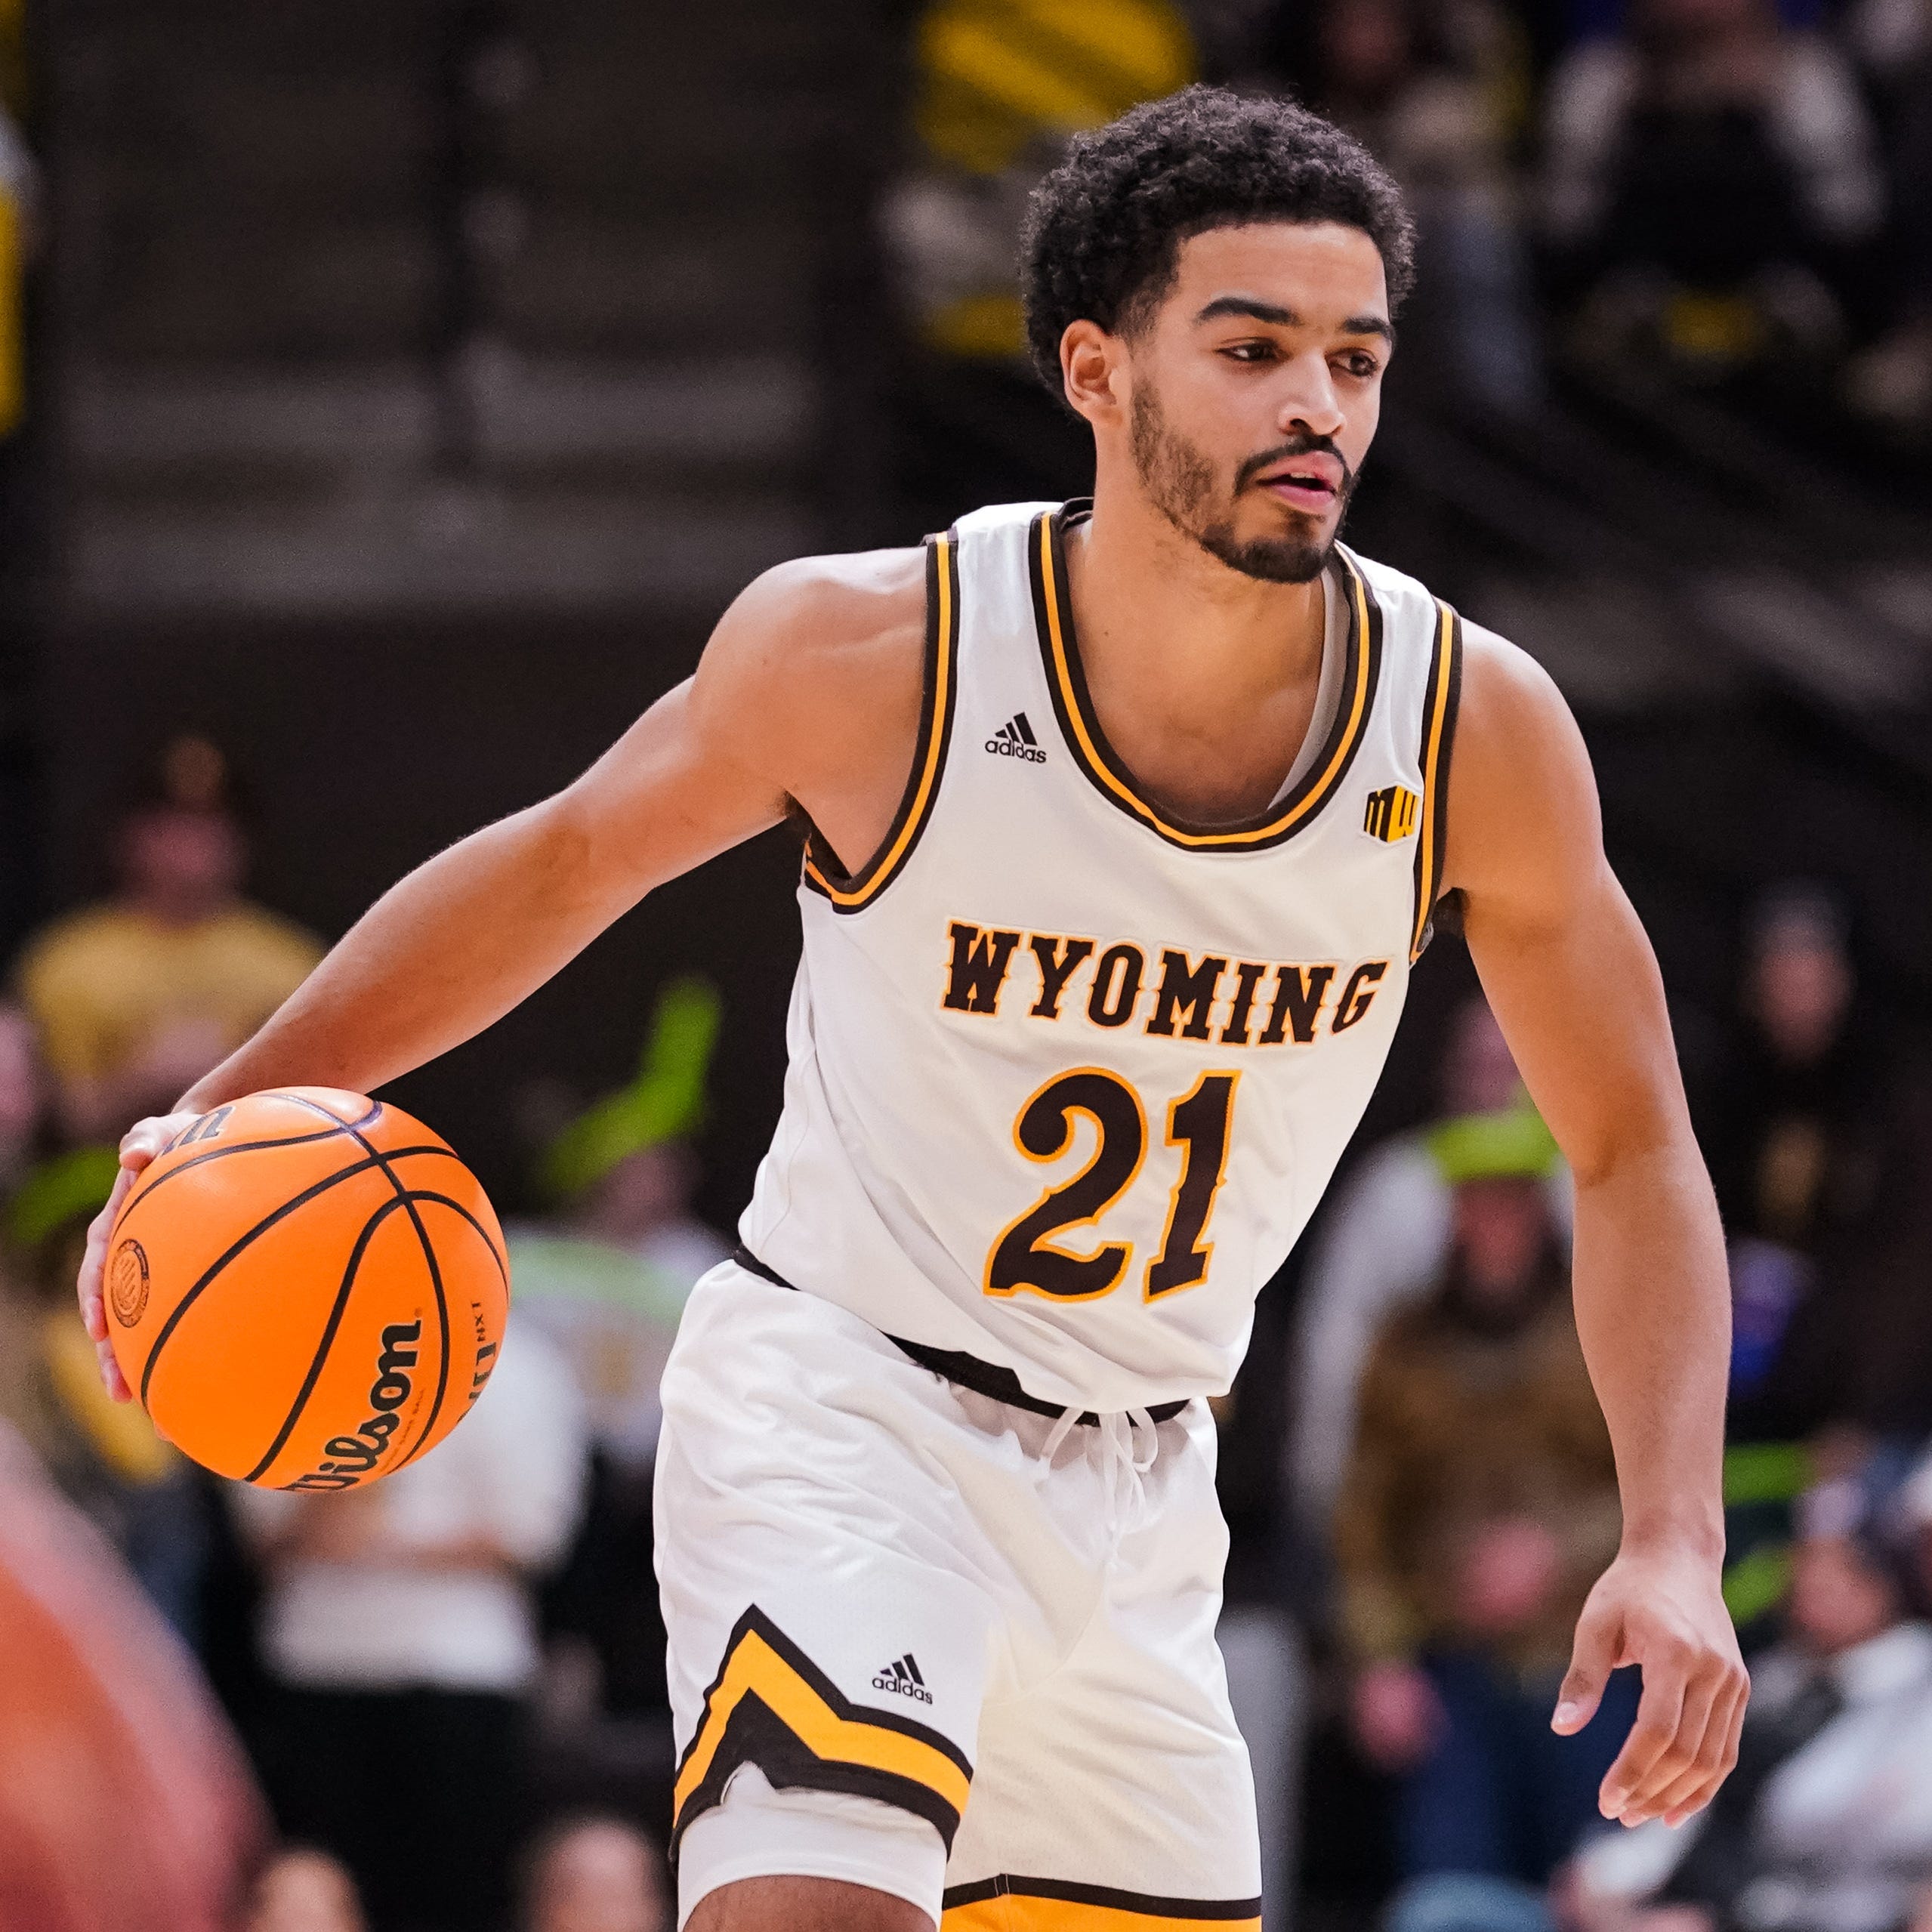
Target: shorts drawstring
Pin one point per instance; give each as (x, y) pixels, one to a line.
(1117, 1435)
(1069, 1418)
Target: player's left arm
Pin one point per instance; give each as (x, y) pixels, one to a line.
(1573, 982)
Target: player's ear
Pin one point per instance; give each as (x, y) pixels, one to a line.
(1090, 369)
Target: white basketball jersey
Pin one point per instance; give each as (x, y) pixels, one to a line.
(1068, 1074)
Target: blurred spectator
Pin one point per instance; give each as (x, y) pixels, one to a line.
(400, 1628)
(1001, 84)
(608, 1278)
(594, 1874)
(125, 1806)
(1892, 381)
(1712, 184)
(138, 998)
(1384, 1235)
(1479, 1507)
(19, 191)
(103, 1455)
(998, 86)
(1428, 86)
(1794, 1130)
(1784, 1132)
(1826, 1824)
(302, 1890)
(606, 1281)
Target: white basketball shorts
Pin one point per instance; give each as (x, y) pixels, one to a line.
(930, 1643)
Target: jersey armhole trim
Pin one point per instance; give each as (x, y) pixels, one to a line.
(938, 695)
(1442, 696)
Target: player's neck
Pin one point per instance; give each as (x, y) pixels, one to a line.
(1204, 680)
(1156, 613)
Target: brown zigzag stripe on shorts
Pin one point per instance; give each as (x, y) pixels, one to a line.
(771, 1705)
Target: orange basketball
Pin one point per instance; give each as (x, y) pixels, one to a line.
(307, 1290)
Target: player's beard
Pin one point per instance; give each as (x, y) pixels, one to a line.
(1179, 482)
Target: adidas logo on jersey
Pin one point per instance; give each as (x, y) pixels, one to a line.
(1015, 739)
(903, 1679)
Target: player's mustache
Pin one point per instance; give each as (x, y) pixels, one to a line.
(1299, 445)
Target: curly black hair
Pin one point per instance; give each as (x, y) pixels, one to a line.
(1104, 229)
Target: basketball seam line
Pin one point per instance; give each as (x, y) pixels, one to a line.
(489, 1247)
(260, 1228)
(135, 1200)
(443, 1316)
(342, 1297)
(217, 1153)
(328, 1341)
(429, 1260)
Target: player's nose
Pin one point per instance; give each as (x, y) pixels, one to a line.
(1309, 402)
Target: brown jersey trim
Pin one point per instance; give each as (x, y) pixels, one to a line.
(1073, 706)
(1442, 695)
(850, 893)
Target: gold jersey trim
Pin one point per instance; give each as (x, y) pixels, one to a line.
(1008, 1904)
(851, 892)
(1442, 696)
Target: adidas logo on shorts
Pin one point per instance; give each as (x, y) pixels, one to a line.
(902, 1678)
(1015, 739)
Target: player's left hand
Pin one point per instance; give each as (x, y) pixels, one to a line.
(1662, 1611)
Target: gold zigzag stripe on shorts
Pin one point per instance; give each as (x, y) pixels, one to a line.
(1048, 1905)
(773, 1707)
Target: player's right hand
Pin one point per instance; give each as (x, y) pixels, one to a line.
(140, 1144)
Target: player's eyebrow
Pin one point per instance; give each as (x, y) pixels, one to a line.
(1273, 314)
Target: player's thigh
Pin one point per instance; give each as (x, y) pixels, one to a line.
(804, 1905)
(828, 1632)
(1120, 1782)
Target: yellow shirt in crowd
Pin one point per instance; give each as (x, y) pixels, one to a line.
(101, 983)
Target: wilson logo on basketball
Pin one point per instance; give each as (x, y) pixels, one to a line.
(353, 1457)
(127, 1285)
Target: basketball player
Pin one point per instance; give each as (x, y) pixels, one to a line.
(1126, 822)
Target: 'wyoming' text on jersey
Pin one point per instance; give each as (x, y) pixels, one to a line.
(1234, 1002)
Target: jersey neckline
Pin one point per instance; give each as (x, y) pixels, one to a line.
(1102, 767)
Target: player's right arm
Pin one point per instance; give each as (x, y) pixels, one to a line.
(808, 693)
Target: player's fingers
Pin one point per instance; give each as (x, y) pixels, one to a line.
(94, 1258)
(1592, 1658)
(116, 1383)
(1654, 1735)
(148, 1139)
(1715, 1757)
(1687, 1767)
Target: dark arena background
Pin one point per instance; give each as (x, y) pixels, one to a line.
(393, 393)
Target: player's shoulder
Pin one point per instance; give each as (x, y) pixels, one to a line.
(841, 603)
(1507, 696)
(827, 603)
(816, 662)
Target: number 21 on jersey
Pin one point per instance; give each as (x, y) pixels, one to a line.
(1198, 1123)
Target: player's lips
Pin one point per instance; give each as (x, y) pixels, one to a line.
(1311, 482)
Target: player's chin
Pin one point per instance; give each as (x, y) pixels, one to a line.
(1286, 553)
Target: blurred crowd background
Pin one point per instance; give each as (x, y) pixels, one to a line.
(391, 394)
